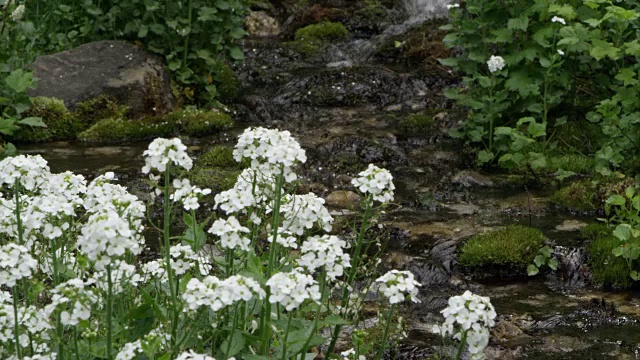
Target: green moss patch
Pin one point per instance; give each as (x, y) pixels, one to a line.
(98, 108)
(61, 124)
(418, 123)
(184, 122)
(216, 169)
(579, 164)
(510, 248)
(607, 269)
(580, 195)
(311, 39)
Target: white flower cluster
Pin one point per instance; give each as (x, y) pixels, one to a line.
(74, 293)
(161, 152)
(188, 194)
(350, 355)
(397, 285)
(327, 251)
(453, 6)
(32, 322)
(18, 13)
(191, 355)
(32, 171)
(103, 195)
(182, 259)
(495, 63)
(123, 275)
(130, 350)
(15, 263)
(301, 212)
(558, 20)
(270, 148)
(377, 182)
(291, 289)
(106, 235)
(241, 195)
(472, 314)
(217, 294)
(230, 233)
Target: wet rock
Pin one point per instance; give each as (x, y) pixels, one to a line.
(343, 199)
(353, 153)
(506, 331)
(131, 75)
(565, 344)
(470, 178)
(573, 270)
(463, 209)
(260, 24)
(571, 225)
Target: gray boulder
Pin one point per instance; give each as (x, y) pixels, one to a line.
(131, 75)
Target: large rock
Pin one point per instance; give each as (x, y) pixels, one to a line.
(131, 75)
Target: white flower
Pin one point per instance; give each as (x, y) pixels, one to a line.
(15, 264)
(292, 289)
(377, 182)
(472, 314)
(79, 299)
(327, 251)
(191, 355)
(495, 63)
(123, 275)
(230, 231)
(188, 194)
(18, 13)
(32, 171)
(558, 20)
(217, 294)
(453, 6)
(560, 52)
(397, 285)
(129, 351)
(301, 212)
(162, 152)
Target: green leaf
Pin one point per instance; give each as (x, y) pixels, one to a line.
(519, 23)
(32, 121)
(627, 76)
(602, 49)
(450, 62)
(335, 320)
(237, 344)
(532, 270)
(537, 160)
(616, 200)
(562, 174)
(485, 156)
(564, 11)
(8, 150)
(539, 260)
(635, 275)
(143, 31)
(236, 53)
(623, 232)
(255, 357)
(537, 129)
(553, 264)
(502, 35)
(19, 81)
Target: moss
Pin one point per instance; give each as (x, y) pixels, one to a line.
(153, 99)
(573, 162)
(216, 169)
(607, 269)
(226, 81)
(418, 123)
(311, 39)
(190, 122)
(513, 247)
(61, 124)
(98, 108)
(580, 195)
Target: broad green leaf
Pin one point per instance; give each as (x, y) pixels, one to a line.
(564, 11)
(335, 320)
(32, 121)
(19, 81)
(232, 344)
(143, 31)
(502, 35)
(236, 53)
(627, 76)
(602, 49)
(537, 129)
(537, 160)
(562, 174)
(553, 264)
(532, 270)
(616, 200)
(540, 260)
(450, 62)
(485, 156)
(622, 232)
(519, 23)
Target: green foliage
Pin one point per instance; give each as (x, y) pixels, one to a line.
(574, 163)
(607, 269)
(417, 123)
(579, 195)
(554, 72)
(13, 103)
(311, 39)
(216, 169)
(544, 258)
(188, 122)
(61, 124)
(515, 247)
(624, 210)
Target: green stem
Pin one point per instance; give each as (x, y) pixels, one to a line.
(109, 314)
(463, 341)
(56, 281)
(383, 344)
(16, 193)
(323, 282)
(354, 269)
(75, 343)
(167, 254)
(186, 39)
(16, 329)
(286, 336)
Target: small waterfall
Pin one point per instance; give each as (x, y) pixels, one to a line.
(427, 8)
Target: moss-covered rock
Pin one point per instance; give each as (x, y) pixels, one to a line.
(580, 195)
(311, 39)
(502, 251)
(226, 81)
(421, 123)
(98, 108)
(61, 124)
(190, 122)
(216, 169)
(607, 269)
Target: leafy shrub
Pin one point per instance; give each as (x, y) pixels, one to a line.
(512, 247)
(607, 269)
(579, 195)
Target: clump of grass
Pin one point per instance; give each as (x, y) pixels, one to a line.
(579, 195)
(311, 39)
(190, 122)
(607, 269)
(61, 124)
(513, 247)
(571, 162)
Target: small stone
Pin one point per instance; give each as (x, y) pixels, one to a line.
(571, 225)
(260, 24)
(343, 199)
(470, 178)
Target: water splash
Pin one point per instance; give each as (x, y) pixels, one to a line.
(427, 8)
